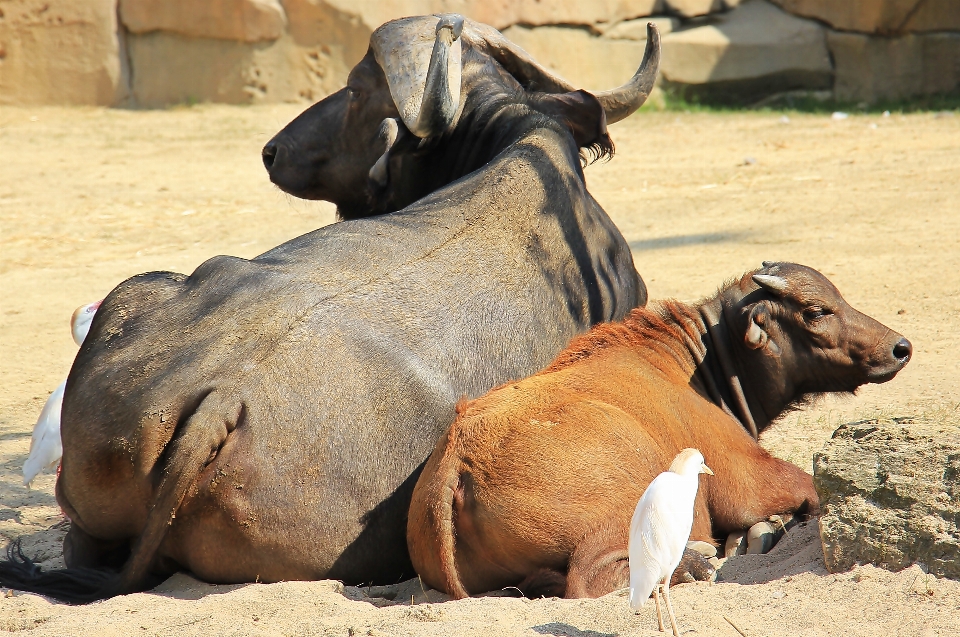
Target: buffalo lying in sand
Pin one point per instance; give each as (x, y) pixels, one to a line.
(535, 483)
(266, 419)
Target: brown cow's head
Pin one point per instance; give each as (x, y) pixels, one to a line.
(411, 89)
(801, 338)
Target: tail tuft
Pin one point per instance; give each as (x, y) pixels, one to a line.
(74, 586)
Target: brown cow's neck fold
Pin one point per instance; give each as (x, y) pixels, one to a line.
(716, 369)
(716, 341)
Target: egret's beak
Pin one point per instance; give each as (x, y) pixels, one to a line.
(705, 469)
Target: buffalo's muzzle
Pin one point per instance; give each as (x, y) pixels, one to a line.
(902, 351)
(269, 154)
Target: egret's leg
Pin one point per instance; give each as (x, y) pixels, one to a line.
(666, 596)
(656, 600)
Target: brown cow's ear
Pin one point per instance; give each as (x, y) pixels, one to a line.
(756, 337)
(581, 112)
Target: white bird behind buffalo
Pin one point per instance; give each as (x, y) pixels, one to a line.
(45, 446)
(660, 529)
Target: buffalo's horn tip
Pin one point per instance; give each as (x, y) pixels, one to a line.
(771, 283)
(454, 22)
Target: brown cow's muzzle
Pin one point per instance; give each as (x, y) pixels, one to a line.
(892, 355)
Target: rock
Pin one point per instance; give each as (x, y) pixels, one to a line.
(693, 8)
(890, 495)
(241, 20)
(172, 69)
(872, 68)
(61, 52)
(497, 13)
(637, 29)
(888, 17)
(747, 54)
(587, 61)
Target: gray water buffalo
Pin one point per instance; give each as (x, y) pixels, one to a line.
(535, 483)
(267, 419)
(349, 149)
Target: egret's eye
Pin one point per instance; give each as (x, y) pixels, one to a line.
(815, 313)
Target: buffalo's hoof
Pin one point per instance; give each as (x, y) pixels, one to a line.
(759, 538)
(693, 567)
(736, 544)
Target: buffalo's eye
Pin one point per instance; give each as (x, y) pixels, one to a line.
(815, 313)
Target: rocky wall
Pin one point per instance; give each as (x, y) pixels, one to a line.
(158, 52)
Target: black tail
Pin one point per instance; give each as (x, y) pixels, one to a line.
(72, 585)
(192, 448)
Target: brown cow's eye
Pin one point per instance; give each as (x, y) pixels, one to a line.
(814, 313)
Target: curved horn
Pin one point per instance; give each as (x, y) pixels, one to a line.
(621, 102)
(774, 284)
(617, 103)
(441, 93)
(427, 94)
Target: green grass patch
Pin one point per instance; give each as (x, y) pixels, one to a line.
(804, 102)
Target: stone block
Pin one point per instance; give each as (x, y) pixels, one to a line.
(61, 52)
(241, 20)
(693, 8)
(871, 68)
(748, 53)
(637, 29)
(889, 17)
(890, 495)
(589, 62)
(497, 13)
(171, 69)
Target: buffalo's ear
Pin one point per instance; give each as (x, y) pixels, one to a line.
(582, 113)
(756, 336)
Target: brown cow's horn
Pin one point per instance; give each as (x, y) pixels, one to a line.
(621, 102)
(775, 284)
(427, 93)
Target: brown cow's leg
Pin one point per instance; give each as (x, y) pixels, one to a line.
(600, 563)
(545, 582)
(754, 486)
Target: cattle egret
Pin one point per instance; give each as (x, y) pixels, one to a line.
(660, 529)
(45, 446)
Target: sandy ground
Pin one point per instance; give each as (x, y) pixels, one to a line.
(89, 197)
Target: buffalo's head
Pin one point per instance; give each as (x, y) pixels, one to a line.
(801, 338)
(409, 92)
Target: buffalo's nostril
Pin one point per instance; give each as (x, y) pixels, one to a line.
(902, 350)
(269, 154)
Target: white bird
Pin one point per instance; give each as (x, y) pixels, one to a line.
(45, 446)
(660, 529)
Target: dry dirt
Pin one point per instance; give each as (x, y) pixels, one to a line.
(89, 197)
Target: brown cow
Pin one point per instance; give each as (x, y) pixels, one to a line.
(534, 484)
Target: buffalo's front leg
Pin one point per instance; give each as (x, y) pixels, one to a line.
(751, 486)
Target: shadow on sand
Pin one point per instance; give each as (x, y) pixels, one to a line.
(660, 243)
